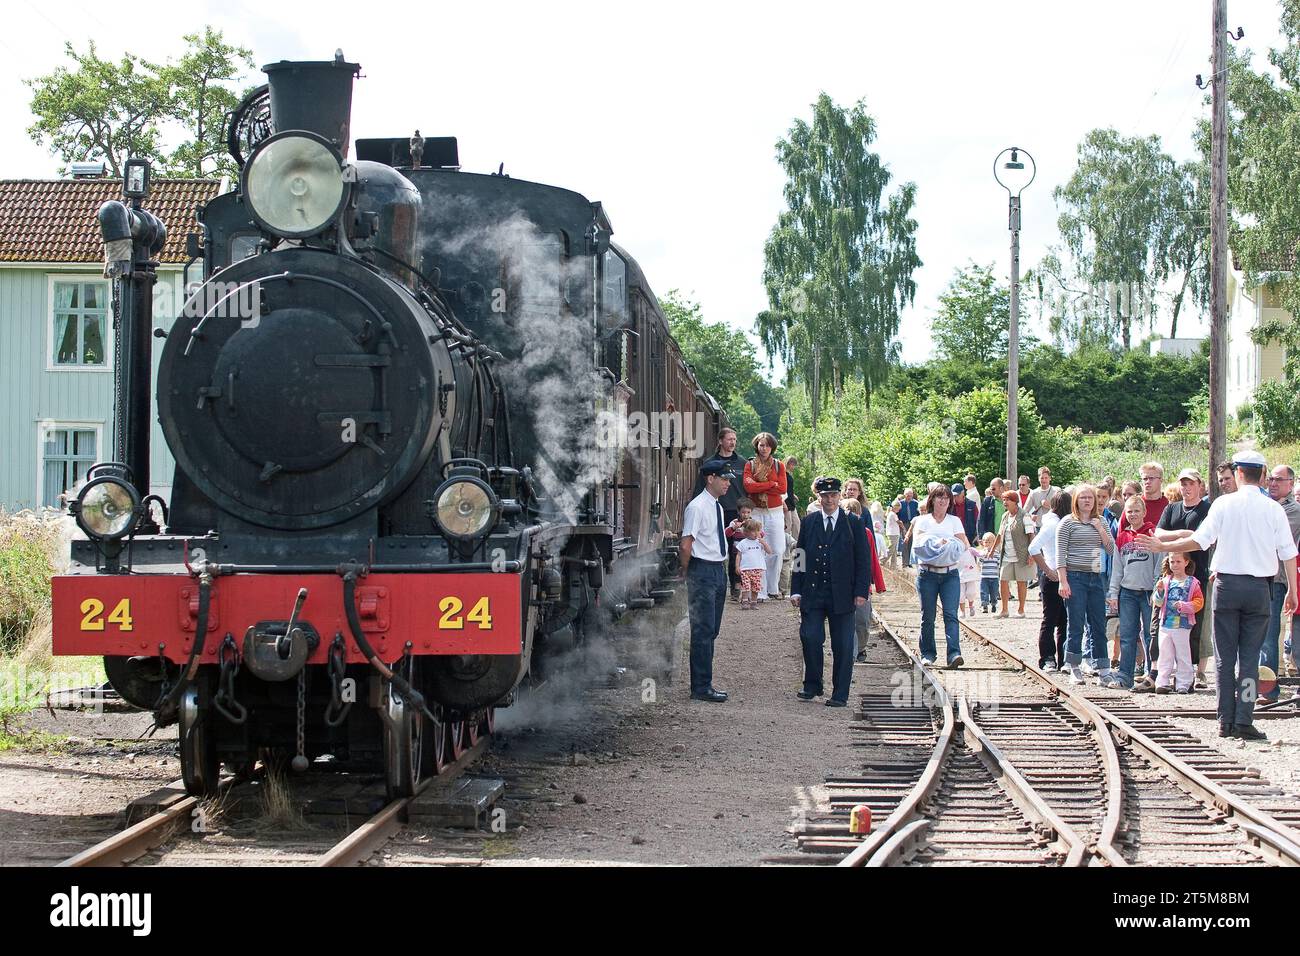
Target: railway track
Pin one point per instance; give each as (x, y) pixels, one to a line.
(1043, 776)
(173, 821)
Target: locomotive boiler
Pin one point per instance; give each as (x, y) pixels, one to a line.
(397, 402)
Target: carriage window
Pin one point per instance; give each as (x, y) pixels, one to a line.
(613, 299)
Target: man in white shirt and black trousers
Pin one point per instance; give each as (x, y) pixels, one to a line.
(830, 580)
(704, 565)
(1253, 538)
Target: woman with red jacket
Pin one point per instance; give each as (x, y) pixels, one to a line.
(765, 483)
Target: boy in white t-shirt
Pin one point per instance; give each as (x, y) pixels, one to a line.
(751, 560)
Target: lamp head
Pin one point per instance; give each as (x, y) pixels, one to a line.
(1014, 169)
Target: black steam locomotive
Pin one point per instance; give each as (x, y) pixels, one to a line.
(427, 424)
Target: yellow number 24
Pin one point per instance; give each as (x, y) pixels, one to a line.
(92, 611)
(451, 620)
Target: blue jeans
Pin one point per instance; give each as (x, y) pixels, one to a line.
(1239, 624)
(1268, 656)
(813, 624)
(1134, 622)
(706, 596)
(989, 592)
(934, 586)
(1086, 603)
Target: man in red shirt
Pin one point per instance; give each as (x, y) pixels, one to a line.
(1024, 490)
(1153, 495)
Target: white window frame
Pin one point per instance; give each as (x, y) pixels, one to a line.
(43, 427)
(50, 364)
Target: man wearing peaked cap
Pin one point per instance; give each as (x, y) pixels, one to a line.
(703, 556)
(830, 580)
(1253, 539)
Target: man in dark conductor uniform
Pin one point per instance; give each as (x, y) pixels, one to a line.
(830, 580)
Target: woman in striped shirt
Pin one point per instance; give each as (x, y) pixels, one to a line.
(1081, 538)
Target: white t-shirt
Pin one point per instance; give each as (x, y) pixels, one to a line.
(1252, 532)
(969, 566)
(752, 556)
(892, 527)
(925, 526)
(1044, 542)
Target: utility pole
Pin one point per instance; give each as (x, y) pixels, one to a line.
(1013, 345)
(1218, 241)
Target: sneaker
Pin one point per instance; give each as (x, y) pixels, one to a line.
(1200, 683)
(927, 661)
(1075, 672)
(1143, 686)
(1049, 667)
(956, 662)
(1226, 731)
(1110, 680)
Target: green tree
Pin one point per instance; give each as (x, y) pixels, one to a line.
(1264, 180)
(838, 264)
(723, 358)
(1129, 219)
(768, 402)
(98, 109)
(974, 319)
(202, 87)
(94, 108)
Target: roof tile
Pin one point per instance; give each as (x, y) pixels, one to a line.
(54, 220)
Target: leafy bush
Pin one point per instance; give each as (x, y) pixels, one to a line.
(28, 543)
(1277, 412)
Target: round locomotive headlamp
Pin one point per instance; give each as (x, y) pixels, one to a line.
(107, 508)
(293, 184)
(465, 508)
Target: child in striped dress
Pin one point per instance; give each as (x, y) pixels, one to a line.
(1179, 598)
(990, 566)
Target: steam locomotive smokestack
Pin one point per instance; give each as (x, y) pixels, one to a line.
(315, 96)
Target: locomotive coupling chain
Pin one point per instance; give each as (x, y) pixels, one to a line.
(336, 711)
(224, 699)
(300, 762)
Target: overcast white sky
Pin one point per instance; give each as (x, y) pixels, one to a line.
(669, 112)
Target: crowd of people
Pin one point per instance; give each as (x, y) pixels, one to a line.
(1128, 573)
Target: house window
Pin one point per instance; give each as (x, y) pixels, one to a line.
(80, 330)
(66, 454)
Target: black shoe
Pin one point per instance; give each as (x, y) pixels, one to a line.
(956, 662)
(1226, 731)
(832, 702)
(805, 695)
(1248, 732)
(714, 696)
(861, 658)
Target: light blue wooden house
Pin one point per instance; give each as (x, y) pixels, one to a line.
(56, 329)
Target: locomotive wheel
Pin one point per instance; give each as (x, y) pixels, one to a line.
(438, 760)
(405, 745)
(408, 749)
(199, 765)
(455, 740)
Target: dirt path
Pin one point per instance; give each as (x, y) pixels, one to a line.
(599, 767)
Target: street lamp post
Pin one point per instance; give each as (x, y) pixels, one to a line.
(1014, 175)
